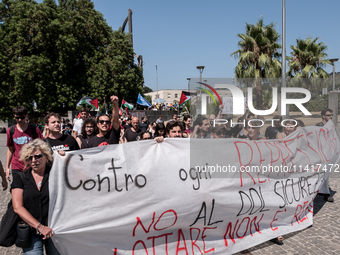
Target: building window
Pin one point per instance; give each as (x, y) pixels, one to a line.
(169, 95)
(176, 95)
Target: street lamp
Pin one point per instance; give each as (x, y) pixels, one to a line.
(199, 108)
(333, 60)
(200, 68)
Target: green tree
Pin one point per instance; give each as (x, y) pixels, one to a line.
(258, 56)
(306, 66)
(52, 55)
(308, 59)
(146, 89)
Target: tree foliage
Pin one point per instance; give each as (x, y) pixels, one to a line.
(258, 55)
(51, 55)
(308, 59)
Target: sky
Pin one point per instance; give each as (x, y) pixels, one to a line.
(178, 35)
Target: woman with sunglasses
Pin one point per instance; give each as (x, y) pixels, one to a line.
(30, 196)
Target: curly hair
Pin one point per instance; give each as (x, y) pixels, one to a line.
(36, 144)
(89, 121)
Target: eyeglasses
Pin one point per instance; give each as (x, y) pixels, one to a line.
(36, 157)
(19, 117)
(90, 127)
(104, 121)
(329, 115)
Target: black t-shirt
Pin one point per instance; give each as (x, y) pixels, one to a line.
(126, 127)
(229, 133)
(84, 141)
(271, 132)
(143, 126)
(63, 143)
(130, 135)
(112, 137)
(36, 202)
(320, 124)
(235, 130)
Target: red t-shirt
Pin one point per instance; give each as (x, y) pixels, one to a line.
(19, 139)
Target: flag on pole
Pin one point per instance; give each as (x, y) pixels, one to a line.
(184, 97)
(127, 105)
(88, 101)
(142, 101)
(104, 108)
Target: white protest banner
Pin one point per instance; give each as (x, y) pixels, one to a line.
(188, 196)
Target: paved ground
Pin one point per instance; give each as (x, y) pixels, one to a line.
(322, 238)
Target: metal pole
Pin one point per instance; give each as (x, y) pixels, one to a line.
(283, 72)
(156, 81)
(333, 77)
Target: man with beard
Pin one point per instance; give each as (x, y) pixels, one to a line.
(131, 134)
(79, 123)
(88, 130)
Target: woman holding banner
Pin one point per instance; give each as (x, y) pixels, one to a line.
(30, 196)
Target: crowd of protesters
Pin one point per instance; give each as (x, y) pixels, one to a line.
(30, 152)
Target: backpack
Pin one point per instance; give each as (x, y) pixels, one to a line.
(33, 131)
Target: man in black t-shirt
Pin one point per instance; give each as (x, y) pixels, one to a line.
(144, 124)
(326, 115)
(108, 130)
(131, 134)
(56, 140)
(127, 125)
(271, 132)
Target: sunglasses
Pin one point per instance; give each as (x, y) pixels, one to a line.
(329, 115)
(36, 157)
(19, 117)
(147, 138)
(104, 121)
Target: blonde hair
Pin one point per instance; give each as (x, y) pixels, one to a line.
(36, 144)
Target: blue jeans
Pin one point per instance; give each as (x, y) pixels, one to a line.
(38, 244)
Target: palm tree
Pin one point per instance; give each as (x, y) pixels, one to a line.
(307, 62)
(258, 56)
(308, 59)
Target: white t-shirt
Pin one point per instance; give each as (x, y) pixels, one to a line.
(77, 126)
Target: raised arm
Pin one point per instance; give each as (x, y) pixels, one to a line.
(115, 112)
